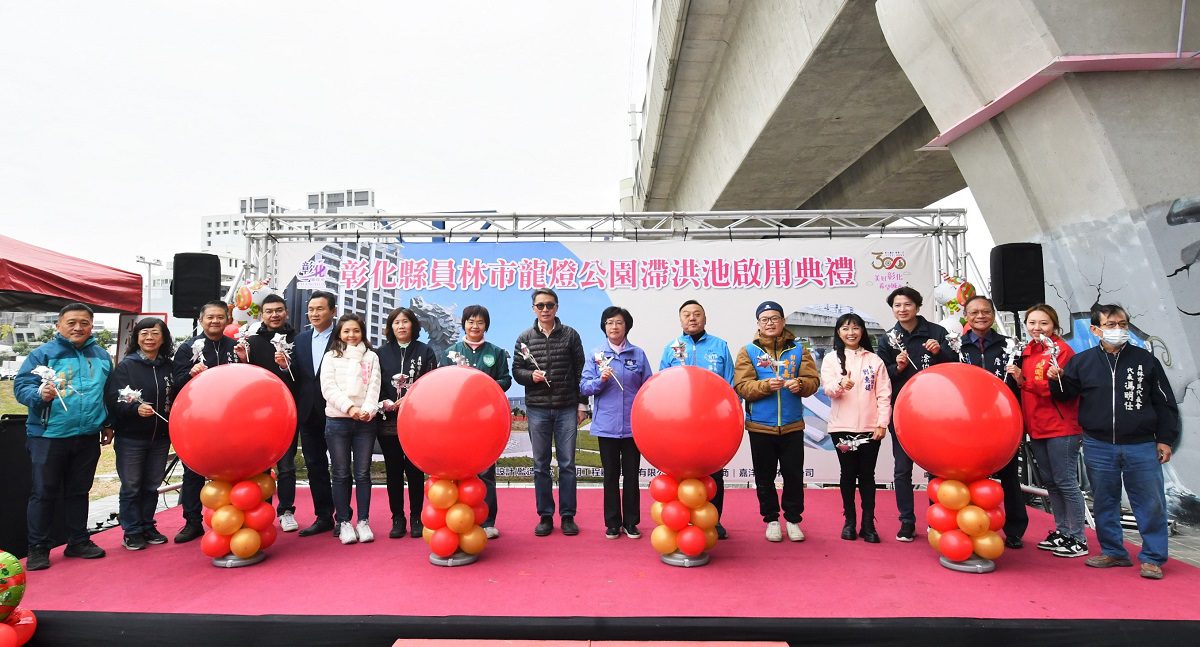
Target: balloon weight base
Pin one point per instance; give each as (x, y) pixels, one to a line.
(973, 564)
(679, 559)
(233, 561)
(459, 558)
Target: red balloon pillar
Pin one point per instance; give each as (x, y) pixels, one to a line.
(241, 523)
(687, 422)
(453, 423)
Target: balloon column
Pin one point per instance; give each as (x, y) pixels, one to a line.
(230, 424)
(16, 624)
(453, 423)
(961, 423)
(247, 301)
(952, 294)
(687, 422)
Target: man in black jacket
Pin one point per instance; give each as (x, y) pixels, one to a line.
(1130, 427)
(548, 361)
(216, 349)
(311, 346)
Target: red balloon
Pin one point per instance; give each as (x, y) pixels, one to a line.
(675, 515)
(710, 486)
(471, 491)
(956, 545)
(663, 488)
(691, 541)
(687, 422)
(214, 545)
(231, 330)
(957, 421)
(433, 517)
(23, 622)
(428, 482)
(267, 535)
(260, 516)
(932, 488)
(8, 635)
(995, 518)
(444, 541)
(986, 493)
(941, 518)
(233, 421)
(454, 423)
(481, 512)
(245, 495)
(208, 513)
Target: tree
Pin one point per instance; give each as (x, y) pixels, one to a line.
(47, 334)
(105, 338)
(21, 348)
(5, 331)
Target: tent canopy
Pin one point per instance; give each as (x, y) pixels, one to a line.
(33, 279)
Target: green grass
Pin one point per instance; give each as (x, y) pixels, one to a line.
(8, 402)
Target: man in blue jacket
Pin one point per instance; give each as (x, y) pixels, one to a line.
(1130, 427)
(695, 347)
(67, 424)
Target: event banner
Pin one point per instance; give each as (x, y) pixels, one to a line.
(816, 280)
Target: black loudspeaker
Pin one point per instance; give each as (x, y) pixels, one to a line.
(1018, 279)
(195, 281)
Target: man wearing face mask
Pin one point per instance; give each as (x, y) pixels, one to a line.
(1130, 426)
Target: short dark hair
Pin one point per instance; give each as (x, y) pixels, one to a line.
(476, 311)
(336, 345)
(322, 294)
(398, 312)
(215, 304)
(612, 311)
(168, 346)
(976, 298)
(1108, 310)
(905, 291)
(690, 302)
(273, 298)
(76, 307)
(546, 291)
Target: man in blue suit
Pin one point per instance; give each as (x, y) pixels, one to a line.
(310, 347)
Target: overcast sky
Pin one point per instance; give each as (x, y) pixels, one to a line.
(123, 123)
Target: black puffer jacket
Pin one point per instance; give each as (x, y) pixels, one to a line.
(560, 355)
(156, 382)
(262, 352)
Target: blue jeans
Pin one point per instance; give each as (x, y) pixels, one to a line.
(1137, 465)
(560, 426)
(61, 467)
(141, 462)
(285, 478)
(902, 479)
(350, 440)
(1058, 467)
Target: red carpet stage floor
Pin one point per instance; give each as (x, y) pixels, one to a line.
(590, 587)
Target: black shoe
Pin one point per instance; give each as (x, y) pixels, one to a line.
(568, 526)
(399, 528)
(319, 526)
(1013, 542)
(908, 531)
(544, 527)
(631, 531)
(134, 542)
(190, 531)
(85, 549)
(721, 534)
(612, 533)
(39, 558)
(154, 537)
(416, 528)
(868, 533)
(848, 532)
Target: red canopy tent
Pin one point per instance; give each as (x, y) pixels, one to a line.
(33, 279)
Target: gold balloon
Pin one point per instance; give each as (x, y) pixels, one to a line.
(473, 541)
(227, 520)
(953, 494)
(934, 536)
(656, 512)
(692, 493)
(427, 533)
(705, 517)
(989, 545)
(443, 493)
(973, 520)
(215, 494)
(710, 538)
(663, 540)
(245, 543)
(265, 483)
(460, 518)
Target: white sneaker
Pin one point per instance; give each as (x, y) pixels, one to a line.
(346, 533)
(794, 532)
(774, 533)
(363, 529)
(492, 532)
(287, 522)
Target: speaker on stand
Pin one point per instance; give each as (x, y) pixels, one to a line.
(196, 280)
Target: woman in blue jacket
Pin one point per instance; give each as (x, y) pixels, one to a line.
(142, 437)
(612, 375)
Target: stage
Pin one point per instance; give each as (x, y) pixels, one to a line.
(314, 590)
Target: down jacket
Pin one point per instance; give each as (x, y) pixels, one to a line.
(560, 354)
(350, 380)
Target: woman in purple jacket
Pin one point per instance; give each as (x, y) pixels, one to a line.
(612, 375)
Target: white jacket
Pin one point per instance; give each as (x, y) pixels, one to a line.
(351, 380)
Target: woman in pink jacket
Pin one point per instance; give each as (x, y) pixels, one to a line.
(860, 392)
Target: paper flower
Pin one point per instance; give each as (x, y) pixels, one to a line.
(679, 349)
(399, 382)
(461, 360)
(954, 341)
(49, 377)
(604, 361)
(528, 355)
(130, 395)
(198, 351)
(282, 345)
(894, 341)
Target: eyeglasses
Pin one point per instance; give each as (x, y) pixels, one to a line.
(980, 313)
(769, 320)
(1112, 325)
(545, 305)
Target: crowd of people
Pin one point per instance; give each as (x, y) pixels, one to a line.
(1112, 402)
